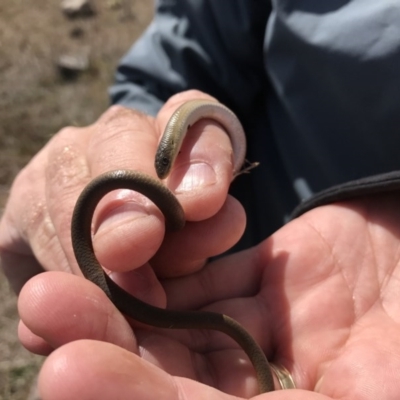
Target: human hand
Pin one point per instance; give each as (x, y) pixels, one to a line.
(320, 297)
(35, 228)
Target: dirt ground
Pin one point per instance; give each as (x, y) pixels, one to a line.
(35, 102)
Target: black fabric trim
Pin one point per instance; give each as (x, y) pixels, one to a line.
(382, 183)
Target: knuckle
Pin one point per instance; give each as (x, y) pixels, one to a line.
(66, 161)
(66, 132)
(67, 167)
(118, 135)
(182, 97)
(117, 115)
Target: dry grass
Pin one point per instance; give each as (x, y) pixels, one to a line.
(35, 103)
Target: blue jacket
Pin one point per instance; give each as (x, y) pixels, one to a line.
(316, 85)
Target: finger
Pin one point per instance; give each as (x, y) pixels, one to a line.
(35, 344)
(207, 152)
(59, 307)
(125, 139)
(120, 139)
(75, 370)
(241, 274)
(199, 241)
(143, 283)
(202, 171)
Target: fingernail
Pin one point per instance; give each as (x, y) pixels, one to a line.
(128, 210)
(198, 175)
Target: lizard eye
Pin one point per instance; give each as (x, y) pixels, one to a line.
(165, 161)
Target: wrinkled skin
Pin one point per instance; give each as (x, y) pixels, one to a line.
(320, 296)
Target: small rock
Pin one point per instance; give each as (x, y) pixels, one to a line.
(71, 65)
(77, 32)
(77, 8)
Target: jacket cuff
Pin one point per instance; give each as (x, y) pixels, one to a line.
(375, 184)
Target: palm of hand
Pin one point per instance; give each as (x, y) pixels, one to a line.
(327, 307)
(340, 325)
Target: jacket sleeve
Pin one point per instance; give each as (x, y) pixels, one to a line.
(213, 46)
